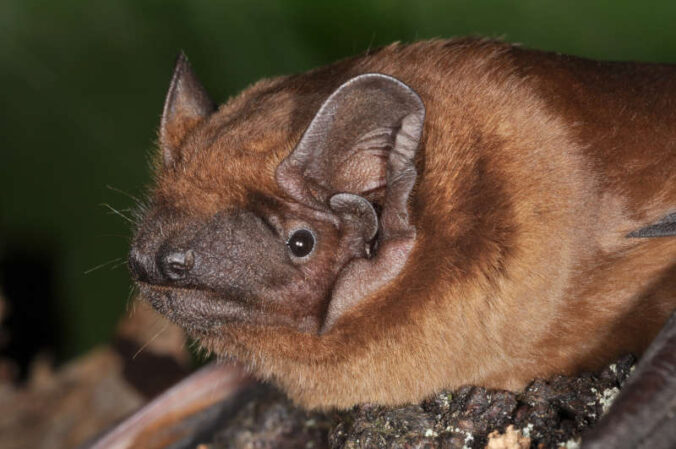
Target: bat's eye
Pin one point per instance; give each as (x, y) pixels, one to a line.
(301, 242)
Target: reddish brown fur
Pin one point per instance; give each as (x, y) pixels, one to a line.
(532, 169)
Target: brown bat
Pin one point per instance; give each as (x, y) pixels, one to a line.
(420, 217)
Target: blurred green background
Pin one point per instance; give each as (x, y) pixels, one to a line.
(82, 85)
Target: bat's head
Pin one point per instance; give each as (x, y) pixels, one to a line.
(284, 208)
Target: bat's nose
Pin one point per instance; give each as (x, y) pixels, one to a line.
(175, 265)
(168, 265)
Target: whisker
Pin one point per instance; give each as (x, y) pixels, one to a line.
(140, 210)
(117, 259)
(127, 194)
(373, 38)
(154, 337)
(118, 265)
(131, 301)
(117, 212)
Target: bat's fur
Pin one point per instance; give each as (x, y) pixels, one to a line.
(532, 169)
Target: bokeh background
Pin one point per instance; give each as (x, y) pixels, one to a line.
(81, 90)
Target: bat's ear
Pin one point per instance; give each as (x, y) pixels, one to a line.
(367, 124)
(359, 150)
(362, 141)
(187, 103)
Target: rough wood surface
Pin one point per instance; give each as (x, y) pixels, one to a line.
(548, 414)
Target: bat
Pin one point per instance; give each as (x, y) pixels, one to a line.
(416, 218)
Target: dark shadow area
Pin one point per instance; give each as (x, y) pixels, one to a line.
(138, 364)
(27, 277)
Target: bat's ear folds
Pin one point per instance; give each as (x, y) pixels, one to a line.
(364, 136)
(357, 213)
(187, 103)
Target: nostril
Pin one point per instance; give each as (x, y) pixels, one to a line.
(181, 261)
(176, 265)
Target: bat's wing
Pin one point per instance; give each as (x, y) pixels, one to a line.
(663, 228)
(179, 417)
(644, 414)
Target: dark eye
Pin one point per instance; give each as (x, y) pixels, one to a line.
(301, 243)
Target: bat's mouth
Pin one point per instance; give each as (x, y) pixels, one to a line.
(192, 308)
(206, 311)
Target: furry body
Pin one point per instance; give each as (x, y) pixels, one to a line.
(532, 169)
